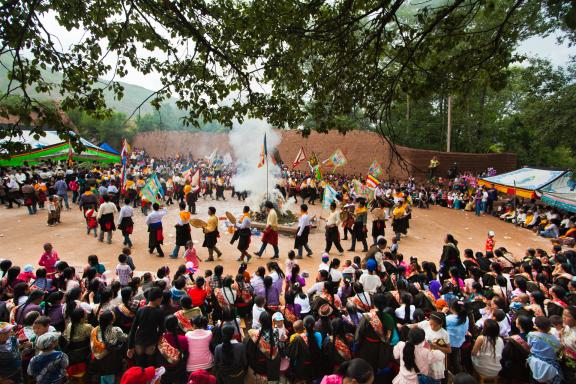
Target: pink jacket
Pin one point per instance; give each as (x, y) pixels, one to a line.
(423, 357)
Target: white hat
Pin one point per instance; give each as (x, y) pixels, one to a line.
(491, 233)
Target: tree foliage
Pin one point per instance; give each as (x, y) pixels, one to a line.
(277, 59)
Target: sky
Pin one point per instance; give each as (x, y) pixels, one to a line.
(547, 48)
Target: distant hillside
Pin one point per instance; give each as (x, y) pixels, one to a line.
(133, 94)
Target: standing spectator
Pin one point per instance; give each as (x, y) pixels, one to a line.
(146, 330)
(62, 190)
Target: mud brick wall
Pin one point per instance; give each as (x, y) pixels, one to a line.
(359, 147)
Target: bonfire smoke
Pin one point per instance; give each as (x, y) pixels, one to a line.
(246, 140)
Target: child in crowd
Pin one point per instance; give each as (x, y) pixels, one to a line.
(123, 270)
(190, 255)
(490, 242)
(48, 260)
(394, 246)
(291, 261)
(91, 222)
(27, 273)
(257, 310)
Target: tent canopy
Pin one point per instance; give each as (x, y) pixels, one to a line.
(523, 182)
(560, 193)
(52, 147)
(105, 146)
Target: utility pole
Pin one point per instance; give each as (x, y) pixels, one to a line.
(449, 125)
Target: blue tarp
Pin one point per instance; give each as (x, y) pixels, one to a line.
(107, 147)
(561, 192)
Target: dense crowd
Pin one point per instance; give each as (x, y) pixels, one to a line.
(371, 318)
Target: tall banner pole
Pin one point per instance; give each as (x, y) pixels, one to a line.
(267, 196)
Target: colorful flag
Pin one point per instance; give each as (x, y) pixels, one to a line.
(187, 173)
(375, 170)
(300, 157)
(318, 172)
(372, 182)
(263, 154)
(212, 157)
(313, 161)
(337, 159)
(329, 196)
(152, 189)
(360, 190)
(195, 179)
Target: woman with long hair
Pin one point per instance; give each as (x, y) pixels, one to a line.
(360, 299)
(125, 311)
(230, 362)
(375, 337)
(272, 295)
(515, 353)
(226, 296)
(53, 309)
(340, 343)
(415, 358)
(32, 304)
(487, 350)
(262, 351)
(108, 344)
(450, 258)
(77, 343)
(305, 353)
(173, 350)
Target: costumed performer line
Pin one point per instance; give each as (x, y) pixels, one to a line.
(156, 236)
(244, 234)
(301, 240)
(332, 233)
(211, 234)
(270, 234)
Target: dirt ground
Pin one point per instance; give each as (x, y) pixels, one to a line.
(22, 237)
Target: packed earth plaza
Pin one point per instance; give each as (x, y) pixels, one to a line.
(320, 278)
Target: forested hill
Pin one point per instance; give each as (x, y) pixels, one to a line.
(133, 94)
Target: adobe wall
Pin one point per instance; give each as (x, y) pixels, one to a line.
(359, 147)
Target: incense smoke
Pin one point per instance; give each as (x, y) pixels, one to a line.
(246, 140)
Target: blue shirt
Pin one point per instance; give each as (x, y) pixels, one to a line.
(543, 345)
(61, 187)
(457, 332)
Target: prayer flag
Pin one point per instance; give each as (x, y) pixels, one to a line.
(300, 157)
(375, 170)
(195, 179)
(371, 181)
(337, 159)
(263, 154)
(152, 189)
(318, 172)
(313, 161)
(329, 196)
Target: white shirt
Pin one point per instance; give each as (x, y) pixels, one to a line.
(106, 208)
(112, 189)
(244, 224)
(370, 282)
(256, 312)
(303, 222)
(436, 369)
(155, 216)
(317, 287)
(336, 275)
(304, 303)
(126, 211)
(401, 311)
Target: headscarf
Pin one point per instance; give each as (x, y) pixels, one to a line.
(435, 288)
(47, 340)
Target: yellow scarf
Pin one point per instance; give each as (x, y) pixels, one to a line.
(360, 210)
(184, 216)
